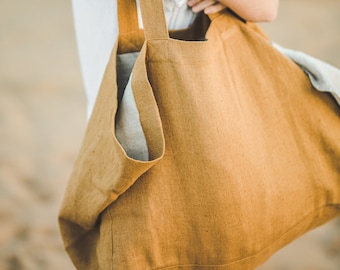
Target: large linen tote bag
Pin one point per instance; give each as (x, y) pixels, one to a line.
(244, 154)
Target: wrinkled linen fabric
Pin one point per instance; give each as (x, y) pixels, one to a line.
(243, 154)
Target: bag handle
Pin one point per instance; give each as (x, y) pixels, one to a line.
(127, 16)
(154, 22)
(130, 38)
(152, 11)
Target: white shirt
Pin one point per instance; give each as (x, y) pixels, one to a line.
(96, 27)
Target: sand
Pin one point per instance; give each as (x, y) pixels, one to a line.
(42, 120)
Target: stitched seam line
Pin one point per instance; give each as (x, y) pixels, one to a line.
(256, 253)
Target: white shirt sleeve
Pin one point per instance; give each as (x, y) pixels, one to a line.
(96, 28)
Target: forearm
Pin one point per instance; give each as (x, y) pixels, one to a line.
(250, 10)
(254, 10)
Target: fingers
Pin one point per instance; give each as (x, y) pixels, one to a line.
(214, 8)
(193, 2)
(209, 6)
(199, 5)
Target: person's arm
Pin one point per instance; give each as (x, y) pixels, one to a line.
(250, 10)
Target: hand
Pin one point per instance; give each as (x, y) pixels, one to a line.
(209, 6)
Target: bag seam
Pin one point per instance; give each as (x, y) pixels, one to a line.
(259, 251)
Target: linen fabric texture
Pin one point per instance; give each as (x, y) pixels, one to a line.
(243, 153)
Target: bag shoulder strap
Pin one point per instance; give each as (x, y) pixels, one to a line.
(130, 38)
(154, 22)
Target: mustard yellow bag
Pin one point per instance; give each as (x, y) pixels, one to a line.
(243, 153)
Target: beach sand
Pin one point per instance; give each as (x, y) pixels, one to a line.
(42, 121)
